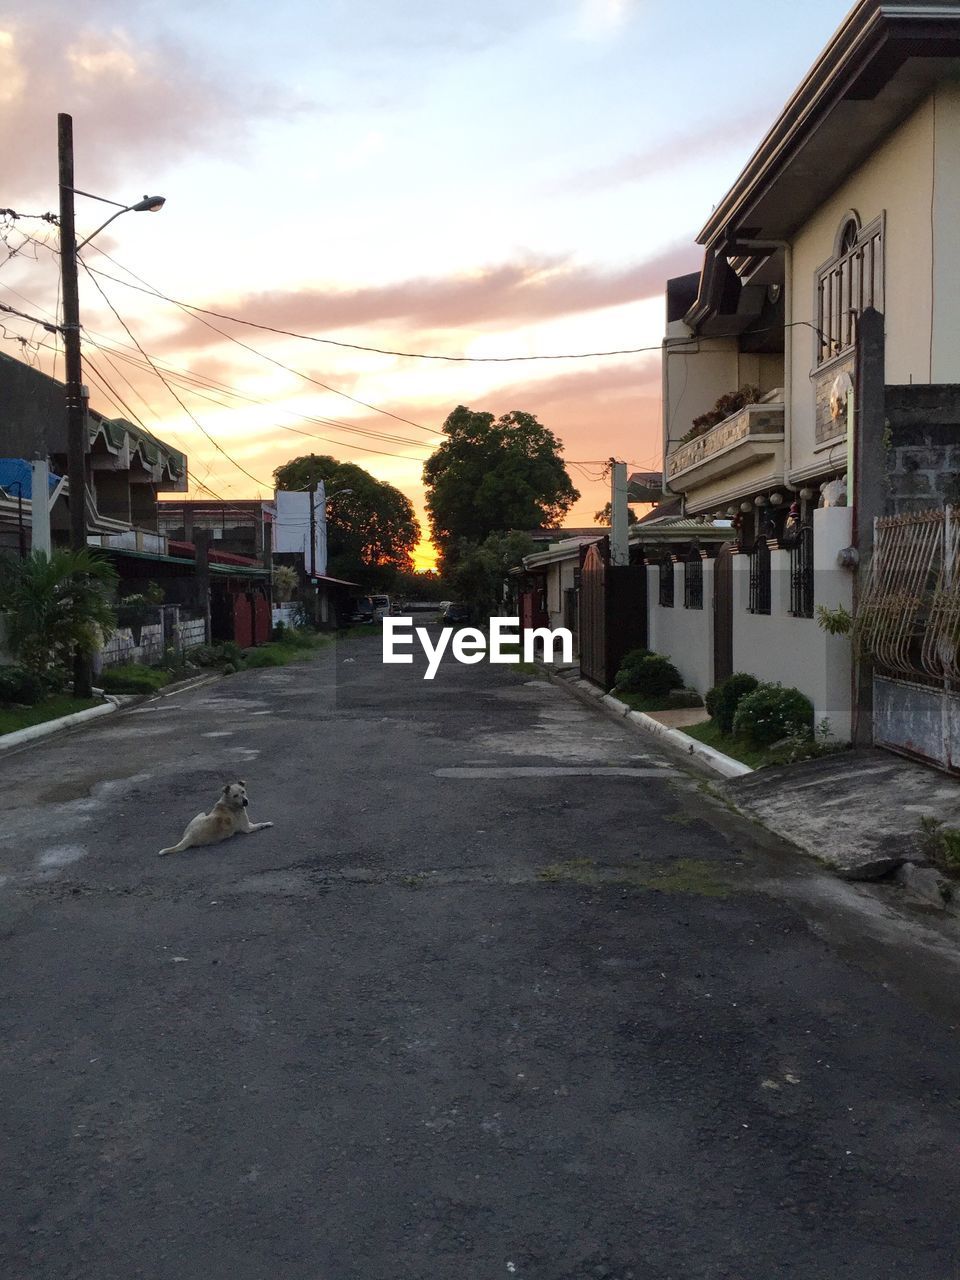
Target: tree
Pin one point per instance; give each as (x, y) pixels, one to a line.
(605, 516)
(371, 532)
(490, 475)
(56, 604)
(480, 569)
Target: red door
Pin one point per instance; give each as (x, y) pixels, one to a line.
(242, 621)
(264, 618)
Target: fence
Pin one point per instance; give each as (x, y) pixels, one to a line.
(908, 626)
(908, 621)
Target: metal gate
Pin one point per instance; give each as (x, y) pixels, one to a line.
(613, 614)
(593, 617)
(908, 626)
(723, 615)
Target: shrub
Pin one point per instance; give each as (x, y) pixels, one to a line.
(723, 699)
(267, 657)
(649, 674)
(679, 698)
(772, 713)
(133, 679)
(20, 686)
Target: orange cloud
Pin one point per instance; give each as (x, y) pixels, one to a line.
(510, 294)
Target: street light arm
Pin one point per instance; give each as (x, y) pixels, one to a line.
(82, 243)
(149, 204)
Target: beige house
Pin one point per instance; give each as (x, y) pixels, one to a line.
(849, 205)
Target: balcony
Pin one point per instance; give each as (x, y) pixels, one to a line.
(750, 441)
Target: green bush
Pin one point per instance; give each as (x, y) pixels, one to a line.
(723, 699)
(679, 698)
(21, 687)
(133, 679)
(216, 655)
(649, 674)
(771, 713)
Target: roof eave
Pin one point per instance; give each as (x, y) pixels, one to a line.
(843, 70)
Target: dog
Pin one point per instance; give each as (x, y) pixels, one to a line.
(227, 817)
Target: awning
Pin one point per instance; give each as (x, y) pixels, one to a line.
(218, 570)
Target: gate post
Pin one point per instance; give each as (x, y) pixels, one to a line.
(869, 491)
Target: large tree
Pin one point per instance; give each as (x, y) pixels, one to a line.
(371, 532)
(493, 474)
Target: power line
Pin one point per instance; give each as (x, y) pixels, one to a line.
(198, 311)
(216, 444)
(150, 289)
(192, 382)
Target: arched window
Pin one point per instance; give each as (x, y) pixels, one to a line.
(850, 282)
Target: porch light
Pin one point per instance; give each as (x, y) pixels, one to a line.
(806, 494)
(746, 506)
(760, 500)
(776, 499)
(731, 512)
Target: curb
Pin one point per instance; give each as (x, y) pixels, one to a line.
(723, 766)
(112, 702)
(21, 736)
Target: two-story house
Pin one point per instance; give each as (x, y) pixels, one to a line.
(829, 299)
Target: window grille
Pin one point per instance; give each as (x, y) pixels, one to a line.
(846, 286)
(693, 580)
(801, 574)
(666, 582)
(760, 577)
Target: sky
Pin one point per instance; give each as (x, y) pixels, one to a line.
(496, 178)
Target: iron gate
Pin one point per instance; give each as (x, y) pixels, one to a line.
(908, 626)
(613, 614)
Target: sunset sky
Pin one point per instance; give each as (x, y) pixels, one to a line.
(494, 178)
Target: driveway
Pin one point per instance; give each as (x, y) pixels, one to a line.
(505, 992)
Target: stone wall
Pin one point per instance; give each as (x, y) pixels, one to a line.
(923, 447)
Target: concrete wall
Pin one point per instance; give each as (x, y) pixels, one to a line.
(923, 457)
(685, 636)
(777, 647)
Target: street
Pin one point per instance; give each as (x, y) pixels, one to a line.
(504, 992)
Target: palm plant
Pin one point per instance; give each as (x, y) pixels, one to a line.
(55, 605)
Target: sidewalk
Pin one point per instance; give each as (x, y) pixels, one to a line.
(858, 812)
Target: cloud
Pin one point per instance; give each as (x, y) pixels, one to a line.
(507, 295)
(598, 19)
(137, 102)
(703, 142)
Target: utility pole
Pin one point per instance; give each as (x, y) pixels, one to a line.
(313, 529)
(76, 409)
(619, 518)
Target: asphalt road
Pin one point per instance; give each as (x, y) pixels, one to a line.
(503, 993)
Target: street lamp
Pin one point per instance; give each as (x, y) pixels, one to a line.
(149, 204)
(76, 413)
(336, 494)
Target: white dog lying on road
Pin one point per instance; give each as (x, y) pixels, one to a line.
(225, 819)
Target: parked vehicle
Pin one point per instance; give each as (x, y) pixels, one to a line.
(361, 609)
(454, 613)
(381, 607)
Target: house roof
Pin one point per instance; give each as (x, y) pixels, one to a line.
(884, 59)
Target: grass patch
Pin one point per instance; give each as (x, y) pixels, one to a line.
(132, 678)
(529, 669)
(14, 718)
(709, 734)
(278, 653)
(638, 702)
(686, 875)
(360, 629)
